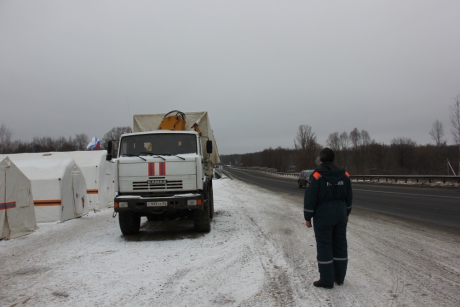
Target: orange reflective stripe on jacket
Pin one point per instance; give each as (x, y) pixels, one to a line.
(316, 175)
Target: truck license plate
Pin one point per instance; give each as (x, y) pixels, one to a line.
(157, 203)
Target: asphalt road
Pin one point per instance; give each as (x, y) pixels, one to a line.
(440, 206)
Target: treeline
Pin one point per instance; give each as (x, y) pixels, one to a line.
(42, 144)
(45, 144)
(358, 153)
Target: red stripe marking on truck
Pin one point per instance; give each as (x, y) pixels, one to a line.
(151, 169)
(162, 168)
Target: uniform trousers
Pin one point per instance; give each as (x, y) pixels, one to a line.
(330, 226)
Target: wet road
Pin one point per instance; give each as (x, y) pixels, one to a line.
(440, 206)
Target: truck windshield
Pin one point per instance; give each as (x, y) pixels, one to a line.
(158, 144)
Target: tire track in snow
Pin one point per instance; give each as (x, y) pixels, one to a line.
(287, 274)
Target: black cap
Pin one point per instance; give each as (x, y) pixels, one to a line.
(326, 155)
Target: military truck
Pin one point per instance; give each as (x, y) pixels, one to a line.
(166, 167)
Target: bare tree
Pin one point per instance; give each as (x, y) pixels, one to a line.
(437, 133)
(344, 146)
(344, 141)
(455, 120)
(365, 138)
(80, 141)
(304, 137)
(114, 135)
(356, 159)
(42, 144)
(5, 140)
(307, 146)
(20, 147)
(403, 150)
(339, 143)
(60, 144)
(355, 138)
(333, 141)
(366, 157)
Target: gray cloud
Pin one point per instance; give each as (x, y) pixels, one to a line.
(261, 68)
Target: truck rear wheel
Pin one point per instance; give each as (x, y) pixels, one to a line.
(202, 219)
(129, 223)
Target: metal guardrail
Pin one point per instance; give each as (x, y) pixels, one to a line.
(218, 172)
(379, 178)
(406, 178)
(288, 174)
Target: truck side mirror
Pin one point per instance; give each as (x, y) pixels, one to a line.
(109, 151)
(209, 146)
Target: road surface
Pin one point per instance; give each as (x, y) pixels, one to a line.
(440, 206)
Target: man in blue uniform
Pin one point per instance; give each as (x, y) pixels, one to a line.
(328, 200)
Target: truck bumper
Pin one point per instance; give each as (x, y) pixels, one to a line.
(139, 204)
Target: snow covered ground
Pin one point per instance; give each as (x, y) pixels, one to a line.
(259, 253)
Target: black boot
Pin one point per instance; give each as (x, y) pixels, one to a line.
(319, 284)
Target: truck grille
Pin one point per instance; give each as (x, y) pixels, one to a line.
(157, 183)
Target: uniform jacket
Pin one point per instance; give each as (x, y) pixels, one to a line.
(328, 183)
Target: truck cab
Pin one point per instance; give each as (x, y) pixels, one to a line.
(161, 172)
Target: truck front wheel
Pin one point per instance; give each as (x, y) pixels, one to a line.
(129, 223)
(202, 220)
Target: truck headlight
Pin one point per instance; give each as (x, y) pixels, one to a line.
(191, 202)
(123, 204)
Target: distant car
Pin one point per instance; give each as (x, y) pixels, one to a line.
(303, 177)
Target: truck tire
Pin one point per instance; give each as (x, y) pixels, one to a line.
(201, 219)
(129, 223)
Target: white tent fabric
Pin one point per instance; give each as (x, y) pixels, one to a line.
(58, 188)
(17, 215)
(100, 175)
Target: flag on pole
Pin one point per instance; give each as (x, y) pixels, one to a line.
(94, 144)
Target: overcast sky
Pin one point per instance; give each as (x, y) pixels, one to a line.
(260, 68)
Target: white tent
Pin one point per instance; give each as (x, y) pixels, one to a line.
(58, 188)
(99, 174)
(17, 215)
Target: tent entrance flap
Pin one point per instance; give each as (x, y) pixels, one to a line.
(78, 199)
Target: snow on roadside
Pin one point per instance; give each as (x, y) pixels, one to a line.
(87, 262)
(259, 253)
